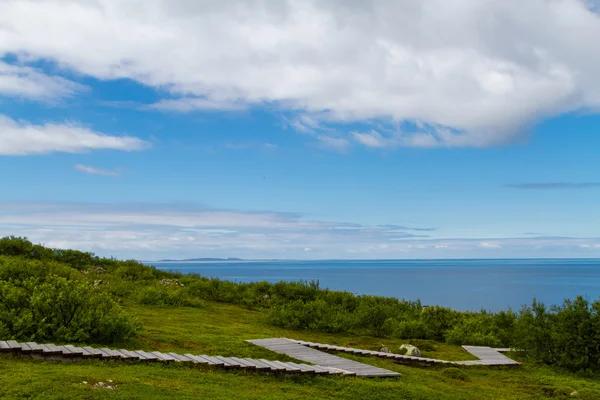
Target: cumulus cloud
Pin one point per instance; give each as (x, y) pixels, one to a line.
(477, 72)
(95, 171)
(26, 82)
(19, 138)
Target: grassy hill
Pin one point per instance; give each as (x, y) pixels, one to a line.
(222, 329)
(62, 296)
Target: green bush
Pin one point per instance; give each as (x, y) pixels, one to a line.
(44, 301)
(474, 329)
(565, 336)
(456, 374)
(162, 295)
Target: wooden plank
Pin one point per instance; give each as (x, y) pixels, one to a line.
(272, 365)
(147, 356)
(197, 359)
(259, 364)
(120, 354)
(4, 347)
(181, 358)
(130, 354)
(245, 362)
(36, 348)
(66, 352)
(230, 362)
(47, 350)
(302, 368)
(25, 348)
(14, 345)
(214, 360)
(315, 369)
(95, 352)
(287, 367)
(57, 350)
(163, 357)
(108, 353)
(86, 354)
(77, 351)
(105, 353)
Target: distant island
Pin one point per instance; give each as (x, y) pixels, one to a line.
(202, 259)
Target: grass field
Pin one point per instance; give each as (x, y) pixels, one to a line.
(220, 329)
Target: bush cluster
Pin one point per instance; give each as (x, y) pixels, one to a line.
(48, 301)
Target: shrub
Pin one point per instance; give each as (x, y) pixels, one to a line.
(566, 335)
(438, 320)
(474, 329)
(456, 374)
(48, 301)
(161, 295)
(411, 329)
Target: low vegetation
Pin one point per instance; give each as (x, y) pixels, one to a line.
(67, 296)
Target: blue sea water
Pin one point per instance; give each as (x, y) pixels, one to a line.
(461, 284)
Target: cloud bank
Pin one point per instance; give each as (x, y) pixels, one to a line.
(463, 73)
(151, 231)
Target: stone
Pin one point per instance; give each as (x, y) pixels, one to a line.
(171, 282)
(384, 350)
(410, 350)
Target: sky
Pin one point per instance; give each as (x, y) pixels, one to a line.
(312, 129)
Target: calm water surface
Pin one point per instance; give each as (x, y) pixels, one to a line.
(461, 284)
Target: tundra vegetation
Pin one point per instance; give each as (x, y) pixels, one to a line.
(69, 296)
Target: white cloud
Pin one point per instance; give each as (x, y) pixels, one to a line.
(22, 138)
(333, 143)
(487, 245)
(477, 67)
(187, 104)
(95, 171)
(27, 82)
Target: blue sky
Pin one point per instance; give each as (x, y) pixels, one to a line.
(302, 129)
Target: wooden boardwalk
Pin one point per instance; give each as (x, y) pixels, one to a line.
(301, 352)
(72, 353)
(487, 355)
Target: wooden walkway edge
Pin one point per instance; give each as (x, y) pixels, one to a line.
(301, 352)
(487, 355)
(71, 353)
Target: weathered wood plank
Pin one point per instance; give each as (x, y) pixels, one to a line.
(272, 365)
(260, 365)
(36, 348)
(181, 357)
(163, 357)
(14, 345)
(95, 352)
(4, 347)
(313, 356)
(74, 350)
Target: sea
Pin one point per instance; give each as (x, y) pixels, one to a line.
(471, 284)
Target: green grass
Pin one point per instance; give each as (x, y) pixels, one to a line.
(220, 329)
